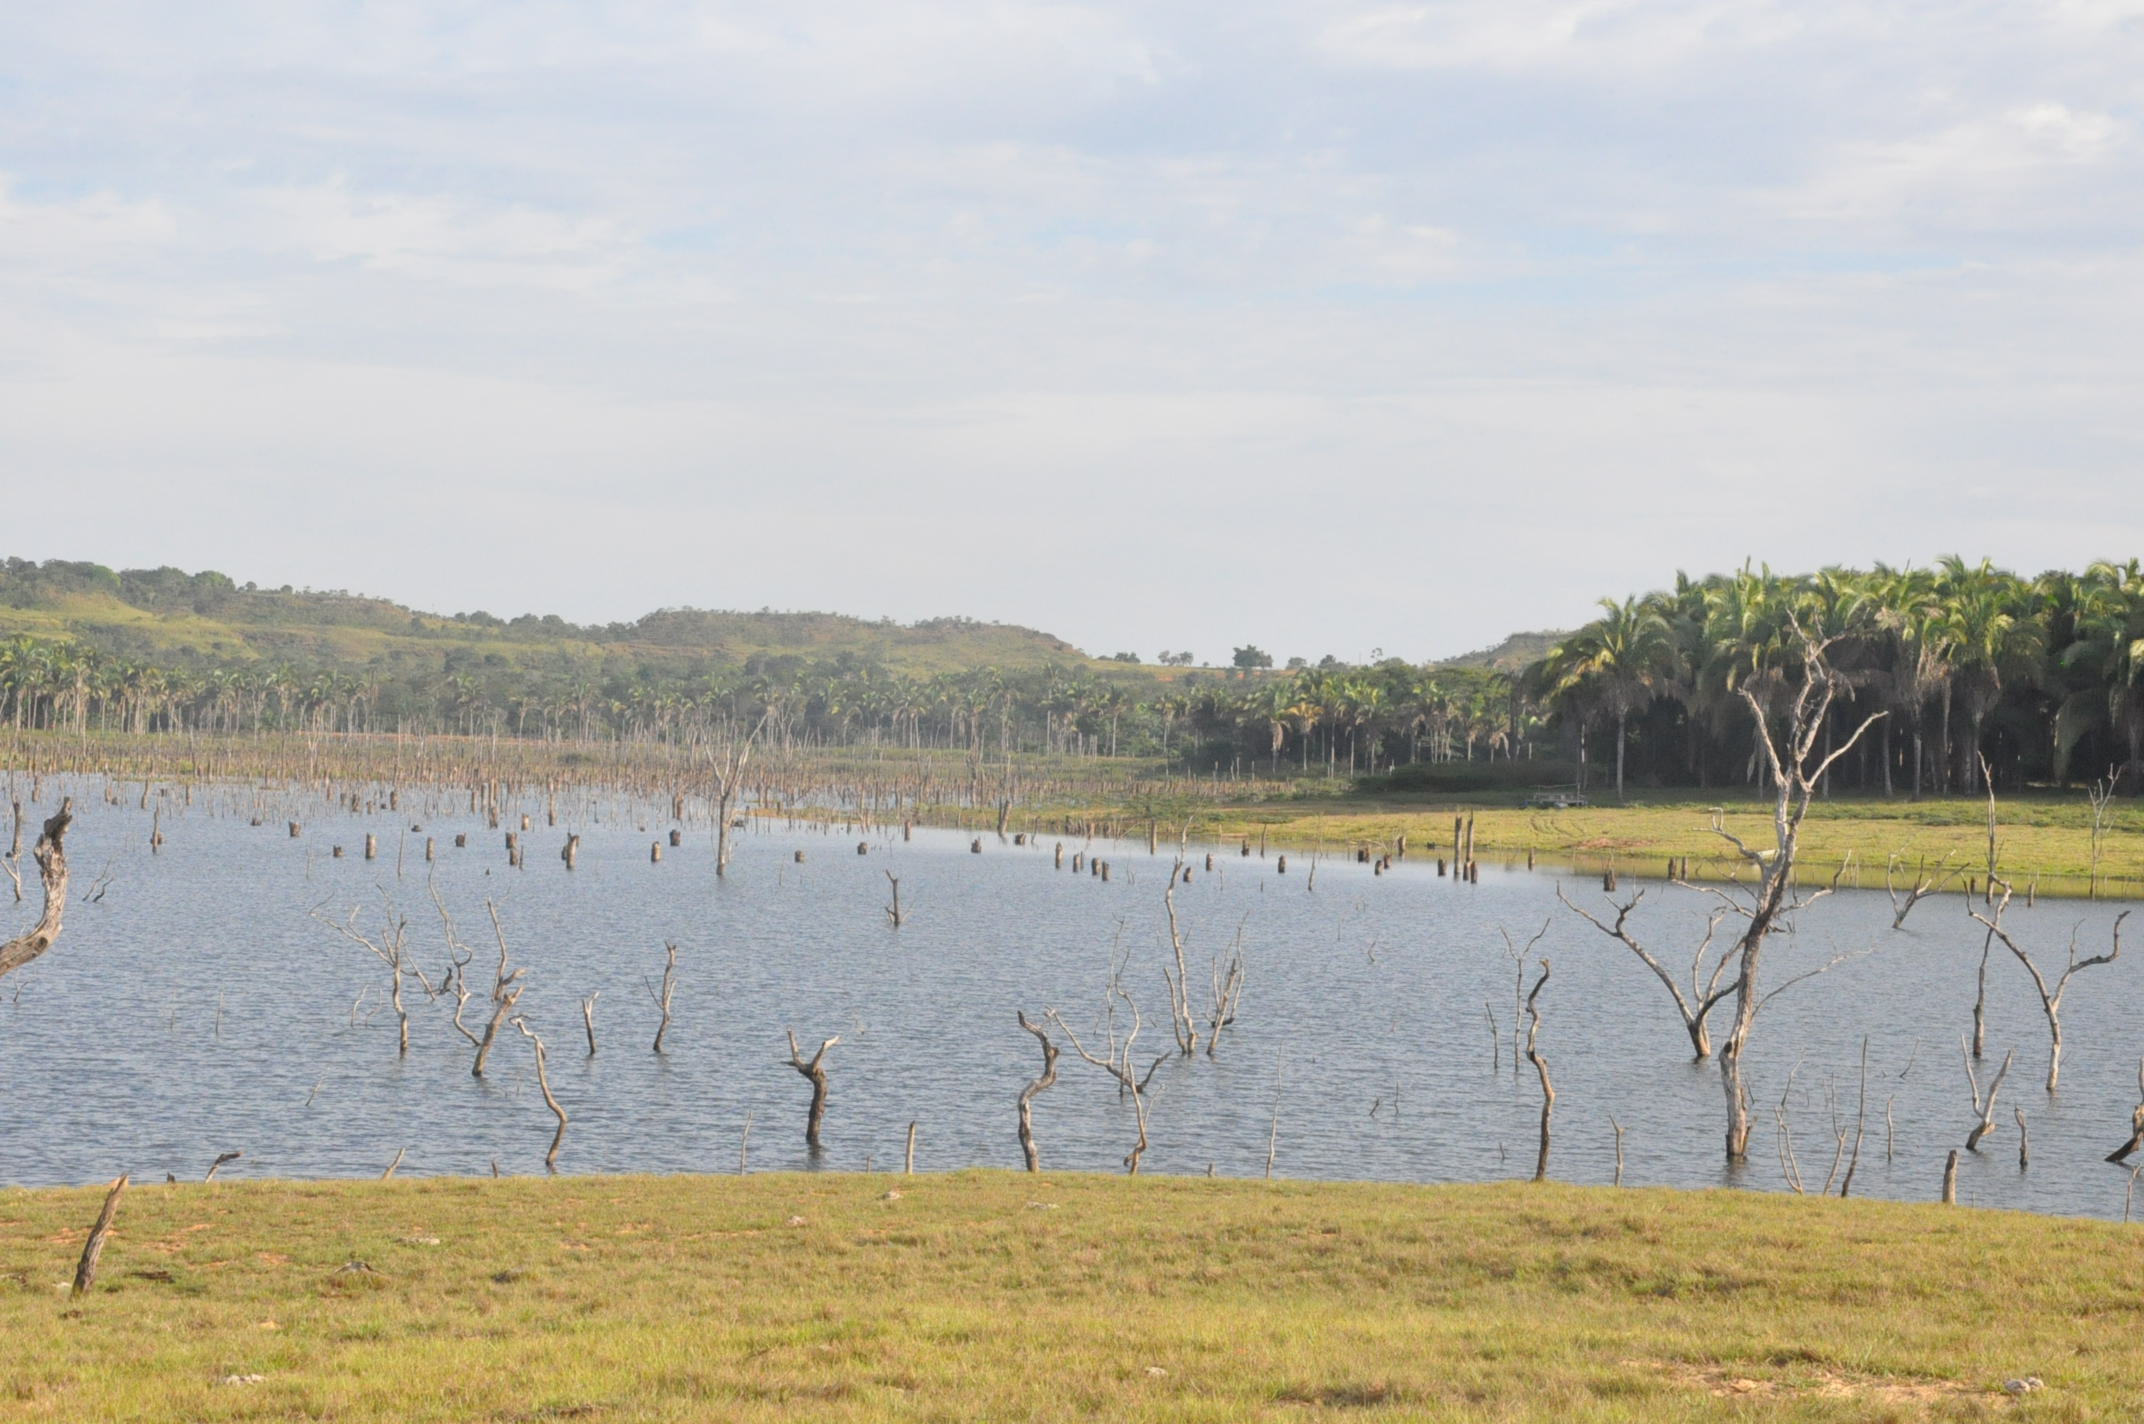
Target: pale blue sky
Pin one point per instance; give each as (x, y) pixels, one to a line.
(1327, 325)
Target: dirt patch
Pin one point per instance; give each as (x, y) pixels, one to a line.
(1724, 1383)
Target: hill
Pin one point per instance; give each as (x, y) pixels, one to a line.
(1514, 654)
(168, 615)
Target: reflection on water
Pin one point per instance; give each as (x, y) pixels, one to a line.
(197, 1007)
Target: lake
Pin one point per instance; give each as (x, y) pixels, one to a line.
(196, 1005)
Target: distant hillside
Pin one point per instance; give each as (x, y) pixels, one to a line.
(167, 614)
(1514, 654)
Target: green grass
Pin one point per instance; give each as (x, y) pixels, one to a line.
(980, 1295)
(2043, 838)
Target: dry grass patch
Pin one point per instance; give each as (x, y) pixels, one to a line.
(692, 1298)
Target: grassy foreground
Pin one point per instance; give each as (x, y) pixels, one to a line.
(980, 1295)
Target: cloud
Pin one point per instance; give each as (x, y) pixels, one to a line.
(1390, 289)
(441, 238)
(2031, 166)
(1598, 35)
(77, 233)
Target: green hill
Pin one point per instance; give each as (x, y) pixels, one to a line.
(169, 615)
(1514, 654)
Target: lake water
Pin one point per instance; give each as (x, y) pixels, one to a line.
(197, 1007)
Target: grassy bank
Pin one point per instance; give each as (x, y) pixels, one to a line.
(1000, 1296)
(2041, 839)
(2042, 836)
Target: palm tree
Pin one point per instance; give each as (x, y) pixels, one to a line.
(1987, 638)
(1618, 660)
(2108, 652)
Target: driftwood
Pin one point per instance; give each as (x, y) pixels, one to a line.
(1028, 1093)
(85, 1271)
(51, 855)
(815, 1070)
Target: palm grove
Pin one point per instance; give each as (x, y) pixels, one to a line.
(2044, 677)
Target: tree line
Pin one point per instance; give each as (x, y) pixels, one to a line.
(1331, 720)
(2041, 677)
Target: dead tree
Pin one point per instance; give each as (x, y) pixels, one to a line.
(51, 855)
(1790, 1167)
(2050, 998)
(1797, 771)
(1984, 1106)
(1925, 884)
(815, 1070)
(1028, 1094)
(727, 755)
(1705, 991)
(505, 994)
(1533, 1056)
(1181, 1024)
(12, 861)
(1987, 941)
(390, 948)
(1227, 994)
(1861, 1119)
(1980, 996)
(1519, 955)
(543, 1083)
(1118, 1065)
(457, 976)
(893, 911)
(2102, 798)
(588, 1019)
(662, 996)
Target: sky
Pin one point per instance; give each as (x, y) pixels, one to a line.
(1333, 327)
